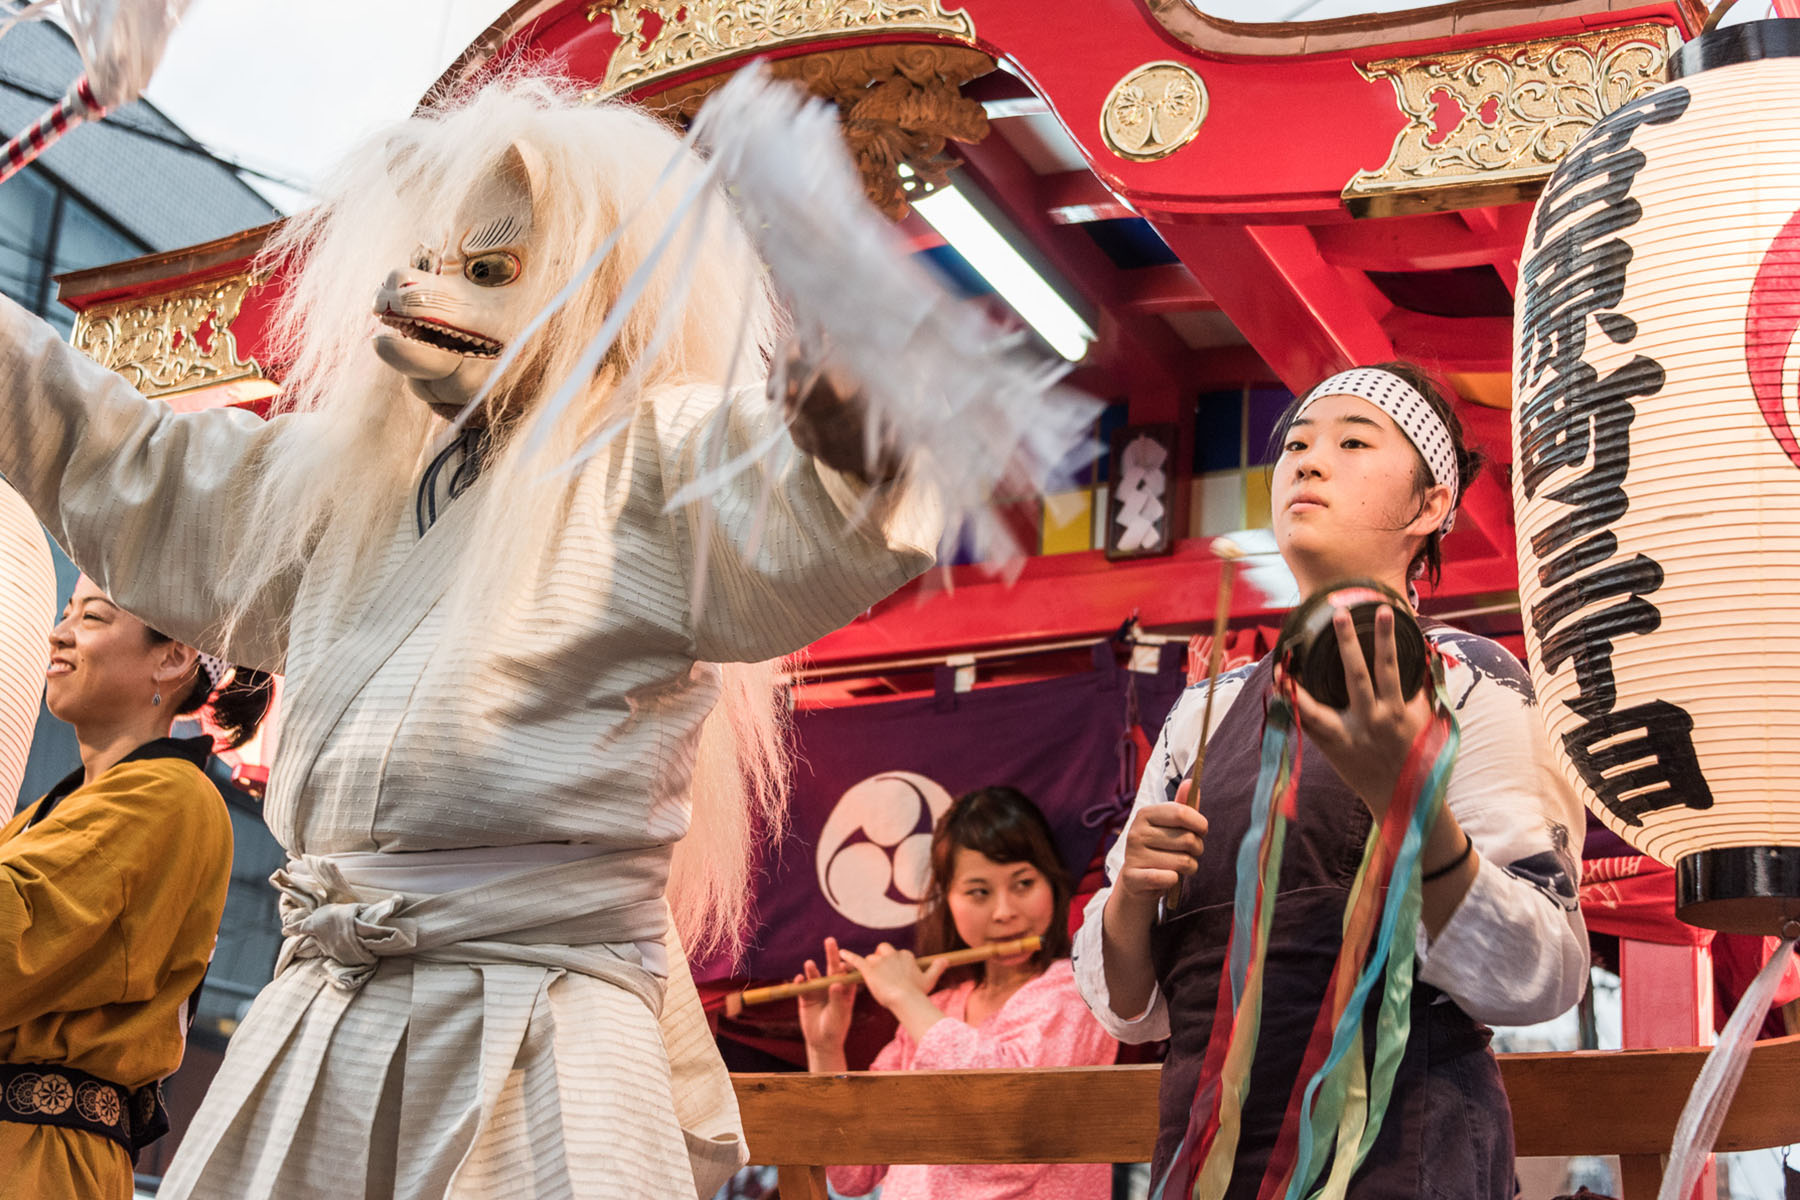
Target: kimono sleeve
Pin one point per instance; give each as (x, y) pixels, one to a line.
(126, 841)
(785, 549)
(1170, 761)
(1515, 951)
(1161, 777)
(149, 502)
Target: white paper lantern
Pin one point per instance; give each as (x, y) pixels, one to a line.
(1657, 474)
(27, 606)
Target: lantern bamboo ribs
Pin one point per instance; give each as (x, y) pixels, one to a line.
(1657, 472)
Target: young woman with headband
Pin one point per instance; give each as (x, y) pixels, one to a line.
(1371, 469)
(111, 890)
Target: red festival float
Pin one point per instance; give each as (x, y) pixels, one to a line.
(1221, 214)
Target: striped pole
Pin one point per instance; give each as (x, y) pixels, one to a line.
(78, 106)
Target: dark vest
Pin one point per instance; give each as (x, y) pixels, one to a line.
(1448, 1131)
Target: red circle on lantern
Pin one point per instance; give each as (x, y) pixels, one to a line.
(1769, 329)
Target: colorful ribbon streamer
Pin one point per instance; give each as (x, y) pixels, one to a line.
(1339, 1098)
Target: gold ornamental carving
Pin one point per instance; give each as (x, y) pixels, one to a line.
(663, 37)
(174, 342)
(1488, 125)
(1153, 112)
(900, 103)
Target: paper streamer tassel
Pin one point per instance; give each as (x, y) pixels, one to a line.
(976, 412)
(120, 42)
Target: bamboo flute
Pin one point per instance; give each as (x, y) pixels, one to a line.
(734, 1003)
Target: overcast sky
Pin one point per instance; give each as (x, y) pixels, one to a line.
(288, 86)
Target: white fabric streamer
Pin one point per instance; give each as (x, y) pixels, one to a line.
(121, 41)
(1698, 1130)
(975, 414)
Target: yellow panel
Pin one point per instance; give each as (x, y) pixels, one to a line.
(1256, 499)
(1068, 522)
(1490, 389)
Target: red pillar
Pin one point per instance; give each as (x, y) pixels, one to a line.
(1666, 994)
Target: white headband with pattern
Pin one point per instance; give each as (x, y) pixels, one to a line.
(1409, 410)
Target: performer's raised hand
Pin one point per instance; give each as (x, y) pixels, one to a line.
(828, 418)
(825, 1016)
(1162, 847)
(1368, 742)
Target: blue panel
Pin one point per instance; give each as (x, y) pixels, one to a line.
(1266, 406)
(1218, 437)
(1115, 416)
(954, 270)
(1131, 243)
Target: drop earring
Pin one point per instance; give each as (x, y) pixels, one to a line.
(156, 700)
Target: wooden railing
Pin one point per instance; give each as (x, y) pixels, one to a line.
(1622, 1102)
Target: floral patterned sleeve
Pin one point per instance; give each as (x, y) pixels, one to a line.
(1044, 1025)
(1526, 825)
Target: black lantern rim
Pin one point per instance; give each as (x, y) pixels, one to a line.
(1742, 889)
(1752, 41)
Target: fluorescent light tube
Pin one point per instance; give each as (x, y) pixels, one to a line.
(949, 212)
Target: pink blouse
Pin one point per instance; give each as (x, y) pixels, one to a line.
(1044, 1024)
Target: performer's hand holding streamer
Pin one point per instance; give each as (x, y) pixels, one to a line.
(829, 417)
(887, 378)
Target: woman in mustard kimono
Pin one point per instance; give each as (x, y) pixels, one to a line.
(111, 890)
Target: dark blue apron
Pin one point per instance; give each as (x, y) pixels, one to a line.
(1448, 1131)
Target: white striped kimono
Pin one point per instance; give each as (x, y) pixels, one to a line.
(504, 1040)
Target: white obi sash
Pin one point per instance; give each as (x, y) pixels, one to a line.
(563, 907)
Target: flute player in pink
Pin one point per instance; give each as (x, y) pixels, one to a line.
(995, 877)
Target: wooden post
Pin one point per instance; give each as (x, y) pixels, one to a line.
(800, 1183)
(1666, 994)
(1640, 1176)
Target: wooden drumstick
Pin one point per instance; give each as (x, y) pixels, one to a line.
(734, 1003)
(1229, 552)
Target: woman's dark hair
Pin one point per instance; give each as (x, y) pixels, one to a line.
(1005, 826)
(1429, 561)
(237, 709)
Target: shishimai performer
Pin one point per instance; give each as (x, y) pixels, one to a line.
(1371, 468)
(499, 669)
